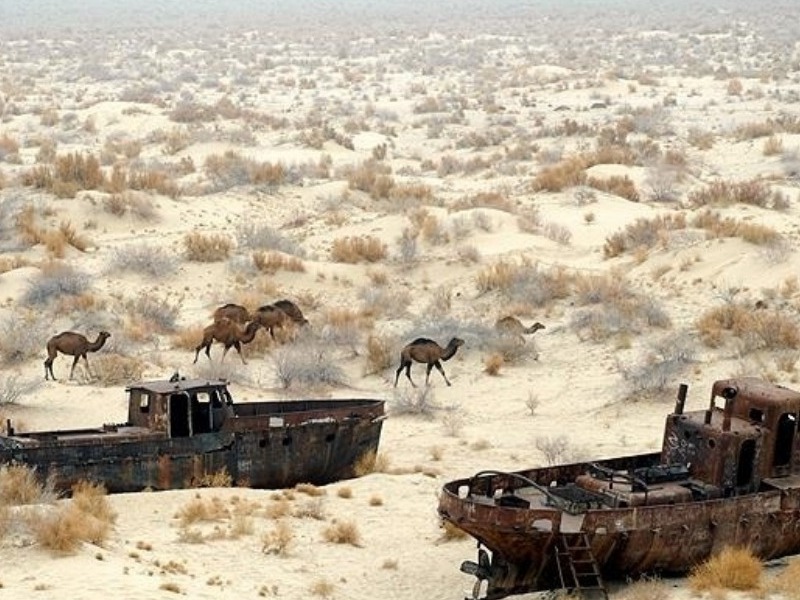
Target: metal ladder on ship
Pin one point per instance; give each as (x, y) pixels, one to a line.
(577, 567)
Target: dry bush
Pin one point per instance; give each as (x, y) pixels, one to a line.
(201, 247)
(272, 262)
(115, 369)
(646, 589)
(201, 509)
(717, 226)
(493, 363)
(215, 479)
(727, 193)
(152, 179)
(770, 329)
(343, 532)
(498, 276)
(773, 145)
(414, 192)
(702, 140)
(20, 485)
(307, 366)
(311, 509)
(352, 250)
(322, 588)
(54, 281)
(554, 449)
(380, 354)
(373, 177)
(618, 185)
(643, 233)
(731, 569)
(88, 517)
(279, 540)
(187, 339)
(371, 462)
(567, 173)
(70, 174)
(345, 492)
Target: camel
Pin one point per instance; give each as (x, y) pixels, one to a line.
(235, 312)
(230, 333)
(72, 344)
(426, 351)
(271, 318)
(512, 326)
(292, 311)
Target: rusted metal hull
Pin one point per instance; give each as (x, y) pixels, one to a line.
(261, 445)
(625, 541)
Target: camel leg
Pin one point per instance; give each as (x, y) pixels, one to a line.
(439, 367)
(238, 347)
(72, 370)
(408, 374)
(197, 351)
(48, 366)
(397, 373)
(88, 370)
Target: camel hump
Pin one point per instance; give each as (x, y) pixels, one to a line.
(422, 341)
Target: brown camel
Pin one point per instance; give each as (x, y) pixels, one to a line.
(229, 333)
(235, 312)
(426, 351)
(272, 318)
(292, 311)
(72, 344)
(512, 326)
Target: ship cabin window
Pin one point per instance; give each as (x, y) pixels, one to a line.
(744, 468)
(144, 402)
(756, 415)
(784, 439)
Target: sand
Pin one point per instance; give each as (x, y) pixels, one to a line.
(470, 109)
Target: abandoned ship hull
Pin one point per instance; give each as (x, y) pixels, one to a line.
(188, 433)
(624, 541)
(725, 476)
(268, 458)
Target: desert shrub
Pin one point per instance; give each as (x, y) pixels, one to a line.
(731, 569)
(618, 185)
(524, 281)
(365, 248)
(201, 247)
(116, 369)
(70, 173)
(88, 517)
(343, 532)
(567, 173)
(493, 363)
(370, 462)
(21, 337)
(202, 509)
(413, 400)
(12, 387)
(143, 258)
(373, 177)
(278, 540)
(727, 193)
(154, 179)
(272, 262)
(303, 365)
(55, 281)
(716, 226)
(661, 365)
(646, 588)
(380, 354)
(554, 449)
(407, 246)
(643, 233)
(159, 314)
(190, 111)
(20, 485)
(263, 237)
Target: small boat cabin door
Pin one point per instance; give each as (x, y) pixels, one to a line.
(179, 413)
(785, 432)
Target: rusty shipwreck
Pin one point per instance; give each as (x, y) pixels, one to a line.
(180, 433)
(728, 475)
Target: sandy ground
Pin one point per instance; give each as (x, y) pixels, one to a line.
(471, 114)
